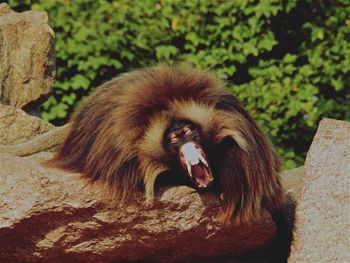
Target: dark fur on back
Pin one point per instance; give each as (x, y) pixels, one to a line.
(116, 137)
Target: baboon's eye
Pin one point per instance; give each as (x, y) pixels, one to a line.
(187, 130)
(173, 138)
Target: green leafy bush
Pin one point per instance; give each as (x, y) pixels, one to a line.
(287, 61)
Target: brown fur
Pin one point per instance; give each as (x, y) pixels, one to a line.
(116, 137)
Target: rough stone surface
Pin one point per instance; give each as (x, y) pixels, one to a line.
(292, 181)
(51, 216)
(323, 213)
(16, 126)
(5, 9)
(27, 64)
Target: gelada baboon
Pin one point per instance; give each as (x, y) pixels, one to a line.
(174, 121)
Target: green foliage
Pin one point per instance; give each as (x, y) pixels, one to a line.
(287, 61)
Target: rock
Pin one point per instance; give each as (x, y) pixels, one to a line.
(47, 215)
(5, 9)
(322, 216)
(19, 126)
(292, 181)
(27, 65)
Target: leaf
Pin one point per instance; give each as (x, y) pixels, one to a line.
(166, 51)
(80, 82)
(289, 58)
(193, 38)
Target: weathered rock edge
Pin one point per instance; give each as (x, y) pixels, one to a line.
(18, 127)
(27, 52)
(50, 216)
(322, 222)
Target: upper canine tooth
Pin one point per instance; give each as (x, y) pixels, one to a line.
(189, 168)
(203, 160)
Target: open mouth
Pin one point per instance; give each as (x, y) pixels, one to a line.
(195, 164)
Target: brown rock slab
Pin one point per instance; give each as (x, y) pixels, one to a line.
(47, 215)
(27, 64)
(16, 126)
(322, 224)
